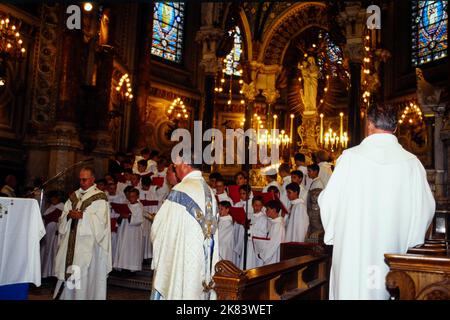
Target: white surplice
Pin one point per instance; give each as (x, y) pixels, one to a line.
(316, 183)
(178, 245)
(224, 197)
(129, 253)
(377, 201)
(49, 244)
(226, 241)
(258, 228)
(283, 192)
(272, 184)
(306, 180)
(298, 222)
(325, 172)
(151, 195)
(116, 198)
(239, 233)
(269, 250)
(92, 249)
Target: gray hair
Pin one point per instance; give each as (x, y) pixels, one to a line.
(383, 117)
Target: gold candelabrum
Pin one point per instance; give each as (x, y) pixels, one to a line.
(330, 139)
(268, 138)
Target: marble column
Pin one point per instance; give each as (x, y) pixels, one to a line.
(353, 20)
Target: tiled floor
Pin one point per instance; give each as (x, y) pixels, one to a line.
(45, 292)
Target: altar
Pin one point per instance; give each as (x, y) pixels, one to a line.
(21, 229)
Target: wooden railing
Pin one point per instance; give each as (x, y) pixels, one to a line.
(304, 277)
(418, 277)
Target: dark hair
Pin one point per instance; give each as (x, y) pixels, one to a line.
(299, 157)
(314, 167)
(215, 175)
(383, 117)
(284, 167)
(225, 204)
(154, 153)
(322, 155)
(274, 189)
(241, 173)
(293, 187)
(135, 191)
(146, 181)
(101, 181)
(142, 162)
(297, 173)
(221, 179)
(127, 189)
(274, 204)
(258, 198)
(162, 161)
(246, 187)
(145, 151)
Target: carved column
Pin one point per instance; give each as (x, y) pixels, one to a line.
(105, 61)
(63, 140)
(209, 36)
(353, 20)
(250, 92)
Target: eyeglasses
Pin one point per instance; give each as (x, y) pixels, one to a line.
(85, 179)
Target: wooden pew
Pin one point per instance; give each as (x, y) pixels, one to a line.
(297, 249)
(418, 277)
(304, 277)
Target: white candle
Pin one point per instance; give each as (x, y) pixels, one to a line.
(341, 129)
(321, 128)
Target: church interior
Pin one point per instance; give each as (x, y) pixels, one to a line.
(309, 69)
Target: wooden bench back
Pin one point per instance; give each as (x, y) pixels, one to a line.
(304, 277)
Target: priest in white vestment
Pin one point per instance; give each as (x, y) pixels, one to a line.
(378, 201)
(83, 260)
(185, 240)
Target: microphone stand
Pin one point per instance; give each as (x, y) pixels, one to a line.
(59, 174)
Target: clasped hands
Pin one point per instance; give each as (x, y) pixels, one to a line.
(75, 214)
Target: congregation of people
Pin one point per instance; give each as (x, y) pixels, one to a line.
(148, 208)
(136, 188)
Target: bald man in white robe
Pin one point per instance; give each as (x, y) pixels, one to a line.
(377, 201)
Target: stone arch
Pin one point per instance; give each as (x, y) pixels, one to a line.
(294, 21)
(246, 35)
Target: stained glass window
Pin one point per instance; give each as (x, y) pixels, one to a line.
(333, 51)
(233, 58)
(429, 31)
(168, 21)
